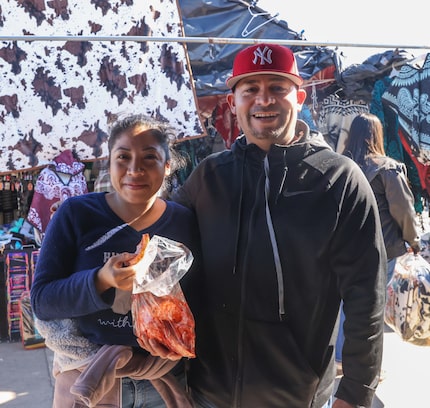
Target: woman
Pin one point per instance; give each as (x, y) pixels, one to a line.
(389, 182)
(388, 179)
(90, 239)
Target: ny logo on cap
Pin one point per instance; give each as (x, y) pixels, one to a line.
(264, 55)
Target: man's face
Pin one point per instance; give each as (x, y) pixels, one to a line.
(266, 108)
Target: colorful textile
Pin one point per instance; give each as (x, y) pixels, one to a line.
(408, 95)
(392, 144)
(62, 179)
(335, 117)
(58, 95)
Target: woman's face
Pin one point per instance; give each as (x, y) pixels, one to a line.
(137, 165)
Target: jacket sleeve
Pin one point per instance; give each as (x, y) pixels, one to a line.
(359, 260)
(401, 204)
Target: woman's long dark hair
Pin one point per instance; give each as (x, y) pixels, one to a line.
(365, 138)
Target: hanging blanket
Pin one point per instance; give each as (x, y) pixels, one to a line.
(408, 95)
(335, 117)
(58, 95)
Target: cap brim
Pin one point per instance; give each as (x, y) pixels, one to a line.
(233, 80)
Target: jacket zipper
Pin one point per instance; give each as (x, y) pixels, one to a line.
(276, 257)
(238, 382)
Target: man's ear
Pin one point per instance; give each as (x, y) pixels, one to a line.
(231, 104)
(301, 97)
(167, 169)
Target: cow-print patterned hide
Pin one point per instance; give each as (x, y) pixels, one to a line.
(63, 95)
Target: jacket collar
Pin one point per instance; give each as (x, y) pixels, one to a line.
(307, 143)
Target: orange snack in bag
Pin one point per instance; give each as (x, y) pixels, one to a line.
(167, 319)
(140, 252)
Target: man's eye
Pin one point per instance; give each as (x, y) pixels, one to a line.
(278, 89)
(282, 89)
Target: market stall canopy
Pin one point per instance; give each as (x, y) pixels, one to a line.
(63, 95)
(212, 62)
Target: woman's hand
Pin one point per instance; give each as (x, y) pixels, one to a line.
(157, 349)
(115, 274)
(342, 404)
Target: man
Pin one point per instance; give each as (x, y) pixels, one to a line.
(288, 229)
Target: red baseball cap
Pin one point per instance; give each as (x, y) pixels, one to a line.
(264, 59)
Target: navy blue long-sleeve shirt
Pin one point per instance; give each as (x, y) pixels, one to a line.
(64, 282)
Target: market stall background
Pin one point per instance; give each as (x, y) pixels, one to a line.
(61, 95)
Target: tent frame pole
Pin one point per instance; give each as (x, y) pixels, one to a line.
(209, 40)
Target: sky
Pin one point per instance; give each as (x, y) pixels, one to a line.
(364, 22)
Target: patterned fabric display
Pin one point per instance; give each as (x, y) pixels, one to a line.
(62, 179)
(64, 94)
(407, 310)
(409, 95)
(335, 119)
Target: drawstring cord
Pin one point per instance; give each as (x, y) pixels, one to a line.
(276, 257)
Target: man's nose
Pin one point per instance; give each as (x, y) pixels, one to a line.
(264, 98)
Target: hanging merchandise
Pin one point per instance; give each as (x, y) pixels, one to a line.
(62, 179)
(393, 145)
(407, 310)
(409, 96)
(64, 95)
(30, 336)
(357, 80)
(8, 200)
(335, 117)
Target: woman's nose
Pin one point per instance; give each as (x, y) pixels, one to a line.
(134, 168)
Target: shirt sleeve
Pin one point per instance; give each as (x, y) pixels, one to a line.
(58, 291)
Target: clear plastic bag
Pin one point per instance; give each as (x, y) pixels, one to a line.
(407, 310)
(159, 308)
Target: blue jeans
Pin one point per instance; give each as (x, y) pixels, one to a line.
(390, 268)
(140, 394)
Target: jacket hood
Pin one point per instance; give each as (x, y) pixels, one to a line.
(307, 143)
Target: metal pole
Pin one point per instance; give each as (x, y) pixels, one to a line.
(209, 40)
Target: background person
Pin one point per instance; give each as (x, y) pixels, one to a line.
(389, 182)
(388, 179)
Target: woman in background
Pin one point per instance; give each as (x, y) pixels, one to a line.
(389, 182)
